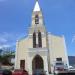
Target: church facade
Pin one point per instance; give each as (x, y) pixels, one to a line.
(40, 49)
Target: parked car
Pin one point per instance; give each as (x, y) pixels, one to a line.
(7, 72)
(72, 69)
(1, 71)
(59, 67)
(19, 72)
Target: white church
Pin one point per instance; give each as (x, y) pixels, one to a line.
(40, 49)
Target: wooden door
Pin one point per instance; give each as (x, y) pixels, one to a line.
(22, 64)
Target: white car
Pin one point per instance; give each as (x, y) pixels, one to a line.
(71, 69)
(60, 68)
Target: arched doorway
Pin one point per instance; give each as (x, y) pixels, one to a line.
(37, 64)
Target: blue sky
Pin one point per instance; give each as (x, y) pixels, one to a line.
(15, 19)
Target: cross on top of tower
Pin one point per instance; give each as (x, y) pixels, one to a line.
(37, 7)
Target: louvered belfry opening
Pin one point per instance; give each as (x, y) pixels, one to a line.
(36, 19)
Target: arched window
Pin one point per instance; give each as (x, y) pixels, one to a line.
(36, 19)
(39, 39)
(34, 40)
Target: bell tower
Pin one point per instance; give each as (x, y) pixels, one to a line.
(37, 29)
(37, 18)
(37, 22)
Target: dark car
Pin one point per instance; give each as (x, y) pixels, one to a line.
(7, 72)
(19, 72)
(1, 71)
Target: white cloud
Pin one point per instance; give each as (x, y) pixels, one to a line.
(73, 39)
(9, 39)
(3, 40)
(4, 46)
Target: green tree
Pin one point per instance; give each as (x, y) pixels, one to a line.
(1, 52)
(5, 58)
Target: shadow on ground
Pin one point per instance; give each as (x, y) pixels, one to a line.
(67, 73)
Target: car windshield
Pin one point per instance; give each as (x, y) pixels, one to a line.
(59, 63)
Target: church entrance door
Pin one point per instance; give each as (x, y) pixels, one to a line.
(37, 64)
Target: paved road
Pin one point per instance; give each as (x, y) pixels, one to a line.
(51, 74)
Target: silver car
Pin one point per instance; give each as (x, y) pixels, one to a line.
(59, 67)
